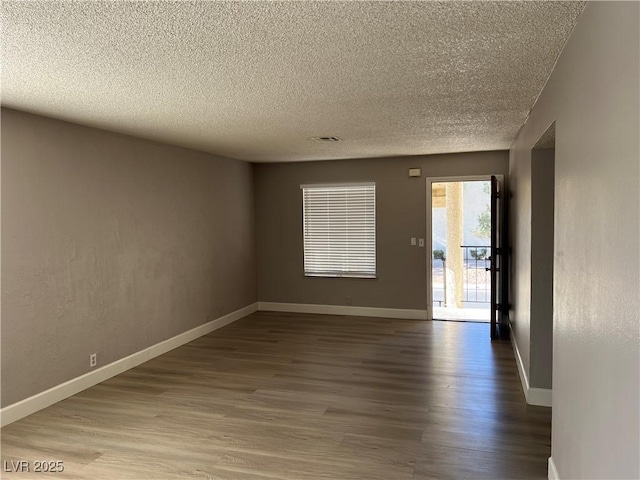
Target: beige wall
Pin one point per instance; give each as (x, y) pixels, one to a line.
(593, 96)
(401, 214)
(531, 293)
(541, 333)
(520, 242)
(111, 244)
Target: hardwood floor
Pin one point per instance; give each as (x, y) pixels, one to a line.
(292, 396)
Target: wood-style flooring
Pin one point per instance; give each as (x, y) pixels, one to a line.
(291, 396)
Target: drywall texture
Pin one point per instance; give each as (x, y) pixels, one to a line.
(400, 215)
(111, 244)
(593, 97)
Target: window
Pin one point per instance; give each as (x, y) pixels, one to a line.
(339, 227)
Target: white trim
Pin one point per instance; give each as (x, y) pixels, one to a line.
(553, 471)
(333, 185)
(21, 409)
(521, 372)
(428, 252)
(464, 178)
(343, 310)
(541, 397)
(534, 396)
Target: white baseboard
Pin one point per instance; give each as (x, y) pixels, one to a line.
(540, 396)
(553, 471)
(21, 409)
(534, 396)
(344, 310)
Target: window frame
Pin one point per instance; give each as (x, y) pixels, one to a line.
(337, 273)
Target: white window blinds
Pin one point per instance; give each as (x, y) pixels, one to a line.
(339, 224)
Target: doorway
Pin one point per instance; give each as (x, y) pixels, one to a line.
(463, 227)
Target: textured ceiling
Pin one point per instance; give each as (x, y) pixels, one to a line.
(256, 80)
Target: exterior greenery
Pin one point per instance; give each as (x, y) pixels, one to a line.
(478, 254)
(484, 220)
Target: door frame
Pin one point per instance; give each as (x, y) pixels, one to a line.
(429, 226)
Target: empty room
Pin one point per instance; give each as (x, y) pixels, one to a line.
(320, 240)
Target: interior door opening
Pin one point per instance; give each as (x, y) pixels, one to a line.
(461, 247)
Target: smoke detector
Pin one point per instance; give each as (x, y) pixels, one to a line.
(326, 139)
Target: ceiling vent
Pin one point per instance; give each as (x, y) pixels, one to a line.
(326, 139)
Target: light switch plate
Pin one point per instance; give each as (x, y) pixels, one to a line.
(413, 241)
(421, 242)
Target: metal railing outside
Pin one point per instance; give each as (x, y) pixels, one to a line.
(477, 278)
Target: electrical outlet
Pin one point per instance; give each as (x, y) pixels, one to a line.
(349, 300)
(93, 360)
